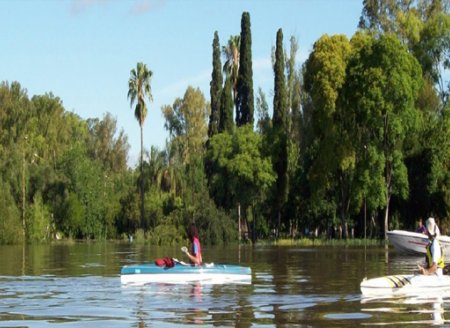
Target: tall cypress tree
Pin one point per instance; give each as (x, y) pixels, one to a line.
(280, 109)
(215, 88)
(280, 101)
(226, 108)
(245, 102)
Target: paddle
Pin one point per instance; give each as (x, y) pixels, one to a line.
(184, 250)
(179, 262)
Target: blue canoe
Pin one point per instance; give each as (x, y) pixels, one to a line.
(182, 273)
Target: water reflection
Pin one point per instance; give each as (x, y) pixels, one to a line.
(196, 296)
(426, 309)
(438, 311)
(196, 291)
(194, 303)
(141, 315)
(431, 307)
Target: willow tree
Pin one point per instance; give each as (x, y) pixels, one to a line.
(138, 90)
(186, 122)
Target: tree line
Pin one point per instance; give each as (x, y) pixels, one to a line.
(356, 142)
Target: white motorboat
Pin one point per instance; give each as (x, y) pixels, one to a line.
(406, 284)
(415, 243)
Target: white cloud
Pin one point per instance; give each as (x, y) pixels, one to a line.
(139, 7)
(177, 89)
(144, 6)
(262, 63)
(79, 6)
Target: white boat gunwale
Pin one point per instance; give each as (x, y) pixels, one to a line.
(405, 284)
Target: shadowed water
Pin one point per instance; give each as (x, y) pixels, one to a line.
(78, 285)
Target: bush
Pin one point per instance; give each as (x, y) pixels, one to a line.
(74, 224)
(139, 236)
(10, 224)
(215, 227)
(166, 234)
(38, 226)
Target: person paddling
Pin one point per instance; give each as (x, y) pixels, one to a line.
(435, 258)
(195, 256)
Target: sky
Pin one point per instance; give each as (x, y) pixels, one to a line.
(82, 51)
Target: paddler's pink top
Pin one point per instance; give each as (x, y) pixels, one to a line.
(197, 250)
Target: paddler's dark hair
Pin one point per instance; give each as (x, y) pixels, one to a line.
(192, 231)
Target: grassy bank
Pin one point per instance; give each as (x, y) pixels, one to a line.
(325, 242)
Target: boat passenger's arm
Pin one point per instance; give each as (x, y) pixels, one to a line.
(194, 259)
(197, 260)
(431, 270)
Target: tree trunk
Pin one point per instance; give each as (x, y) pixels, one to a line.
(344, 223)
(24, 227)
(386, 218)
(239, 223)
(142, 179)
(278, 223)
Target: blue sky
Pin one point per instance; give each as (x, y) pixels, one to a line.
(83, 50)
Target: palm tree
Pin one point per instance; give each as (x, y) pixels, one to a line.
(231, 67)
(173, 173)
(165, 169)
(138, 89)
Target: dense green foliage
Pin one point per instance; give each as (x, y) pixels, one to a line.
(60, 174)
(358, 143)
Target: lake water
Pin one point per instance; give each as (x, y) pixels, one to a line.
(78, 285)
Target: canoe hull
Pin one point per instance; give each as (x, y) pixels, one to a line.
(179, 274)
(415, 243)
(405, 285)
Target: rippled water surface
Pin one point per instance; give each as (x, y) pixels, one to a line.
(78, 285)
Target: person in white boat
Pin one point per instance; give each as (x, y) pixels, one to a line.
(435, 257)
(421, 228)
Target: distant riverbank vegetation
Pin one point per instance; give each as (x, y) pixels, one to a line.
(355, 142)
